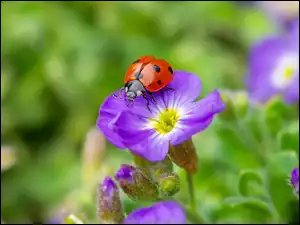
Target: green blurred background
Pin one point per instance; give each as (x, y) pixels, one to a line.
(59, 61)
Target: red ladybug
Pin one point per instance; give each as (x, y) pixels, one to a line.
(147, 75)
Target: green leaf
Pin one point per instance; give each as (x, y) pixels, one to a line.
(276, 112)
(250, 202)
(289, 137)
(241, 210)
(278, 171)
(237, 146)
(251, 184)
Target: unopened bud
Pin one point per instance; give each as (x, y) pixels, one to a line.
(110, 208)
(169, 184)
(94, 153)
(184, 155)
(294, 181)
(136, 183)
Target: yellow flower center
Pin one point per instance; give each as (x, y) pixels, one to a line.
(288, 73)
(285, 70)
(165, 121)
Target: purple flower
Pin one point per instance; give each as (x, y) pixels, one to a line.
(274, 70)
(294, 180)
(280, 12)
(174, 118)
(168, 212)
(294, 32)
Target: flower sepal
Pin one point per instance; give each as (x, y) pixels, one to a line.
(169, 184)
(184, 155)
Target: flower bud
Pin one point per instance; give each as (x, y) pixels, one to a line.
(184, 155)
(169, 184)
(110, 209)
(136, 183)
(94, 153)
(294, 181)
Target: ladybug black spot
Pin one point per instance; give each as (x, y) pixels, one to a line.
(170, 69)
(159, 82)
(136, 61)
(156, 68)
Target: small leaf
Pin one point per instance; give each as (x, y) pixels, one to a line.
(278, 172)
(250, 202)
(250, 183)
(289, 137)
(282, 163)
(241, 210)
(276, 112)
(237, 146)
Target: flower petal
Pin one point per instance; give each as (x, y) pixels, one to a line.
(154, 149)
(187, 87)
(263, 60)
(197, 118)
(130, 128)
(292, 93)
(112, 106)
(168, 212)
(138, 137)
(295, 33)
(108, 111)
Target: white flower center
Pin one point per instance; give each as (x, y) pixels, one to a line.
(286, 69)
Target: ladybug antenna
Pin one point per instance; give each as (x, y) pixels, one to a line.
(120, 93)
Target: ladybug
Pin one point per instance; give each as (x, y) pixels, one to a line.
(147, 75)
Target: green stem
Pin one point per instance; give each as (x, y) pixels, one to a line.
(191, 192)
(193, 217)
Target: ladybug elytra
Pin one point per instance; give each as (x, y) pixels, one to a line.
(147, 75)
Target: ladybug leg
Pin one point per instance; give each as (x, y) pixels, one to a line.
(119, 94)
(152, 97)
(169, 89)
(128, 103)
(148, 103)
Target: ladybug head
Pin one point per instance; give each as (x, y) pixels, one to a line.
(133, 89)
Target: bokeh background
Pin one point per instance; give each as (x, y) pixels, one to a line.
(59, 61)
